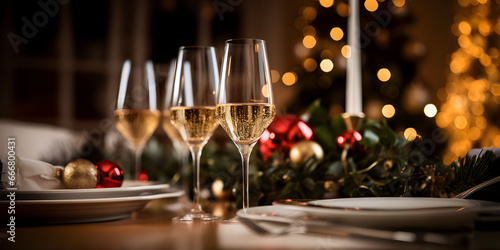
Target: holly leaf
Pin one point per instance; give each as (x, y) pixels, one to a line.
(317, 114)
(369, 139)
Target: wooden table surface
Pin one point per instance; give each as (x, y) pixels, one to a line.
(152, 228)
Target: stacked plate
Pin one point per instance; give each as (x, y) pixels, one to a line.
(379, 212)
(82, 205)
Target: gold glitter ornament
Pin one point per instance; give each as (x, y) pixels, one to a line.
(78, 174)
(302, 150)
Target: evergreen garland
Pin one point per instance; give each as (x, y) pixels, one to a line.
(383, 164)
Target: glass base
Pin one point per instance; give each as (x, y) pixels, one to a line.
(232, 220)
(196, 216)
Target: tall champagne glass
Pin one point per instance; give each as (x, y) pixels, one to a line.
(245, 104)
(193, 111)
(136, 115)
(176, 138)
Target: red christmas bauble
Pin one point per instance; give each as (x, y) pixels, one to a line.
(282, 134)
(111, 174)
(351, 137)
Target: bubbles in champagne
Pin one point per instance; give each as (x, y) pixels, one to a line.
(136, 125)
(246, 122)
(195, 124)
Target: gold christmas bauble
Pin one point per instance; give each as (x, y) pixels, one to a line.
(302, 150)
(79, 173)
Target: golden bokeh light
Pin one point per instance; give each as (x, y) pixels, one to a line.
(460, 122)
(371, 5)
(326, 3)
(481, 122)
(346, 51)
(464, 27)
(388, 111)
(474, 133)
(343, 9)
(464, 41)
(430, 110)
(484, 28)
(326, 54)
(310, 64)
(326, 65)
(309, 30)
(384, 74)
(275, 76)
(399, 3)
(265, 90)
(496, 141)
(410, 134)
(289, 78)
(473, 87)
(309, 13)
(336, 33)
(495, 89)
(477, 109)
(442, 120)
(309, 42)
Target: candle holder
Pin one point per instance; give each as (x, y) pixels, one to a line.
(353, 123)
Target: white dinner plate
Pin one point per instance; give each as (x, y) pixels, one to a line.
(393, 212)
(60, 211)
(129, 188)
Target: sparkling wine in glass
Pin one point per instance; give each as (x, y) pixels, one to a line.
(192, 111)
(179, 145)
(245, 106)
(136, 115)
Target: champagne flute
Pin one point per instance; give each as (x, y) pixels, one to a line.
(176, 138)
(193, 111)
(245, 99)
(136, 115)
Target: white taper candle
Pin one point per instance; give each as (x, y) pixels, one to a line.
(354, 94)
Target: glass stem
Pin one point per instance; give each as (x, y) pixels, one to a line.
(196, 154)
(245, 151)
(137, 160)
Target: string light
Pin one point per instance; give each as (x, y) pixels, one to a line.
(310, 64)
(371, 5)
(326, 3)
(383, 74)
(473, 82)
(309, 13)
(346, 51)
(275, 76)
(388, 111)
(326, 65)
(265, 90)
(430, 110)
(399, 3)
(309, 41)
(289, 78)
(336, 33)
(410, 134)
(343, 9)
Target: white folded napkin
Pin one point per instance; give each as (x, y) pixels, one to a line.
(37, 175)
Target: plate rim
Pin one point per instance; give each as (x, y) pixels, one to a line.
(342, 211)
(176, 193)
(94, 190)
